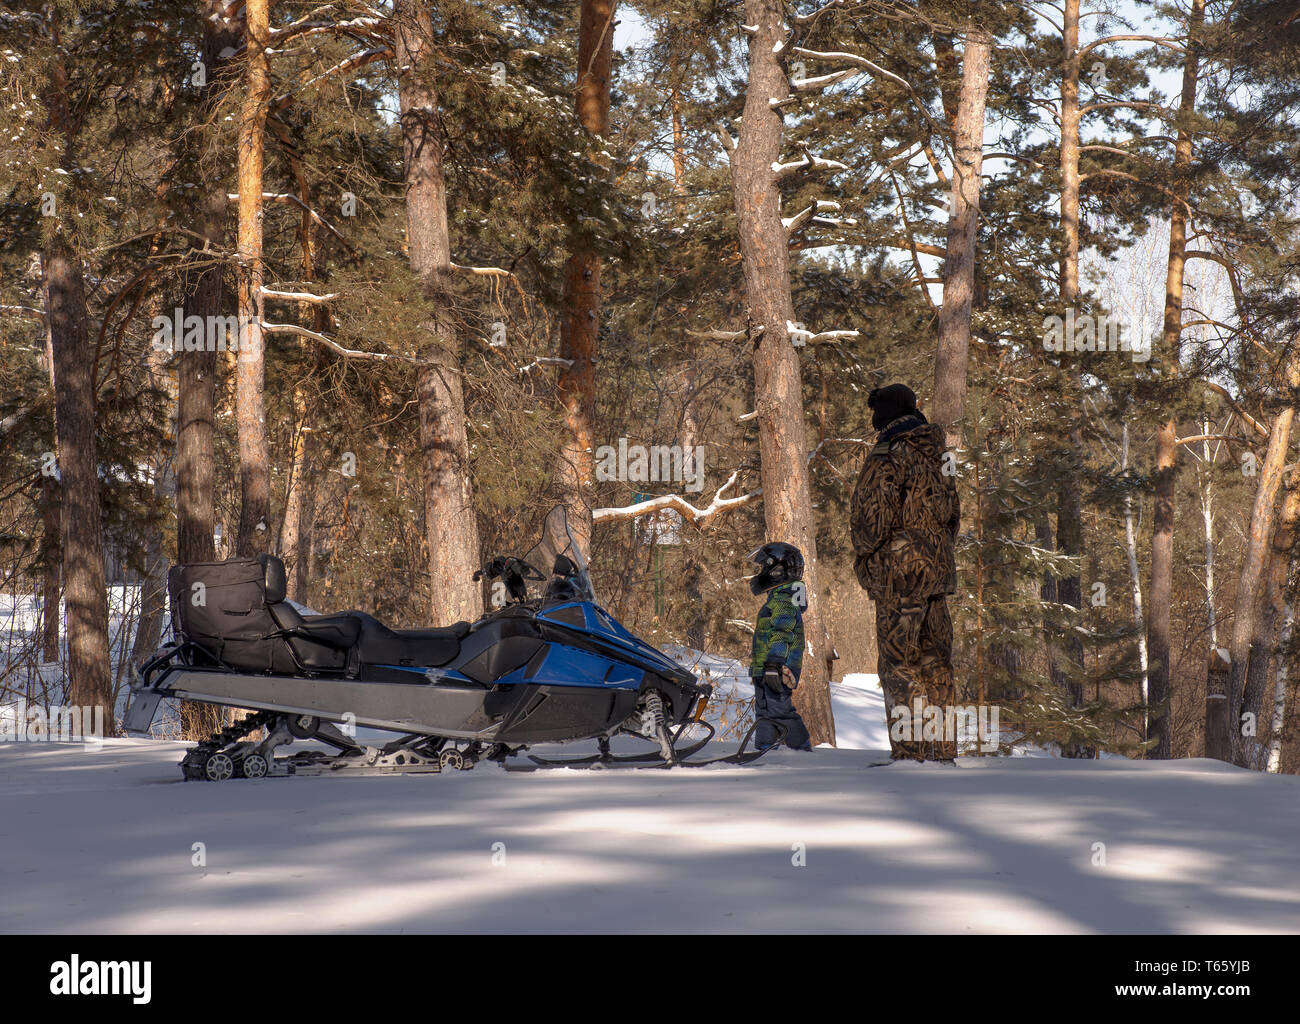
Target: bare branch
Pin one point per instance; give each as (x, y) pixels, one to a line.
(1235, 406)
(680, 505)
(347, 353)
(319, 300)
(1158, 40)
(545, 361)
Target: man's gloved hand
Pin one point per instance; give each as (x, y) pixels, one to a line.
(772, 676)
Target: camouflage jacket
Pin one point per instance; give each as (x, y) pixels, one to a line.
(904, 515)
(778, 631)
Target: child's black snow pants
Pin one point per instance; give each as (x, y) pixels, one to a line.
(772, 707)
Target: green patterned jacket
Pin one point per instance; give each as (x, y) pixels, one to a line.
(778, 632)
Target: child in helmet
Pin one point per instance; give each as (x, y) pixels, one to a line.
(778, 645)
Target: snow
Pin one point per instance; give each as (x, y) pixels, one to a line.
(104, 842)
(107, 838)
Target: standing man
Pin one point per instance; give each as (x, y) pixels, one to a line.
(904, 517)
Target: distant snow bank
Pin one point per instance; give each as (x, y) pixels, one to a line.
(856, 701)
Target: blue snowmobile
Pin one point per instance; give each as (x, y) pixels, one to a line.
(548, 664)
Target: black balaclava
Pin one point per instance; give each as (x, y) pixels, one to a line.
(890, 403)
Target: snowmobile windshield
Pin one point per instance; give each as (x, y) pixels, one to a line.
(558, 557)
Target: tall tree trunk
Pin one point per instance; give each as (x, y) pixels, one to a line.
(90, 682)
(576, 380)
(765, 259)
(196, 372)
(1069, 511)
(1245, 615)
(450, 525)
(963, 225)
(1162, 524)
(250, 367)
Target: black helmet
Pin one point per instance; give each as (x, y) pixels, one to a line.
(890, 403)
(778, 563)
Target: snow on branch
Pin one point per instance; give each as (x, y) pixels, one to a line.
(720, 503)
(811, 338)
(1158, 40)
(488, 271)
(804, 19)
(545, 361)
(680, 505)
(300, 296)
(807, 214)
(720, 335)
(310, 25)
(822, 81)
(290, 198)
(859, 63)
(846, 58)
(346, 353)
(806, 162)
(355, 61)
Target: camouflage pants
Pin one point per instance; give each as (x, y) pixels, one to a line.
(915, 661)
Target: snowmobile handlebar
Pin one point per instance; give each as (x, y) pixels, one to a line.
(507, 566)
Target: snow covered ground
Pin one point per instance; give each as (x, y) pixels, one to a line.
(106, 842)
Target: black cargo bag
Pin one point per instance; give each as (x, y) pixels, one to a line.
(221, 607)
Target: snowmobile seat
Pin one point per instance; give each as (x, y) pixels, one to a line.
(324, 641)
(319, 642)
(380, 645)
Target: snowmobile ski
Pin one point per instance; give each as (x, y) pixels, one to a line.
(654, 759)
(597, 762)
